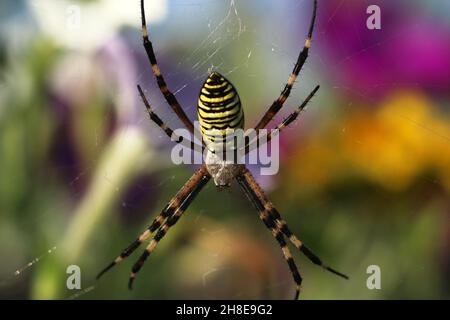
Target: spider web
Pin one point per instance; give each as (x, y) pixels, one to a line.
(225, 32)
(280, 51)
(223, 29)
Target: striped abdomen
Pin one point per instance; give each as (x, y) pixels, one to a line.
(219, 109)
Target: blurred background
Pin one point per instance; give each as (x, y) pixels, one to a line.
(364, 177)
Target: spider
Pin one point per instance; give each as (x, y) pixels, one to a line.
(219, 108)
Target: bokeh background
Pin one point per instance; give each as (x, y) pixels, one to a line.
(364, 177)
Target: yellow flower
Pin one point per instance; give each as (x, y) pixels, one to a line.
(390, 145)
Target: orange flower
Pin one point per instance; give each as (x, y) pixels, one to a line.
(391, 145)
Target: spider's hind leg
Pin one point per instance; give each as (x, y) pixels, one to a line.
(168, 95)
(168, 131)
(303, 55)
(257, 142)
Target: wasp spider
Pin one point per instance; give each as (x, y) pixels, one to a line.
(219, 108)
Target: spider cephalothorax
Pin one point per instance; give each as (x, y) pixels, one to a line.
(219, 111)
(221, 170)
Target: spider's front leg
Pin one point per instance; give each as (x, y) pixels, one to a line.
(278, 225)
(195, 185)
(172, 208)
(274, 229)
(251, 183)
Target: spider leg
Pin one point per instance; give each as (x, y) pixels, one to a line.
(169, 132)
(249, 181)
(287, 121)
(170, 209)
(281, 223)
(168, 95)
(277, 104)
(276, 232)
(197, 186)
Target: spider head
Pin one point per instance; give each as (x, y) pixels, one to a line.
(222, 171)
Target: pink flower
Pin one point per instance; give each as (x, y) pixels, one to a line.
(410, 50)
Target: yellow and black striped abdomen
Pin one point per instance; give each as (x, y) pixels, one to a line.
(219, 109)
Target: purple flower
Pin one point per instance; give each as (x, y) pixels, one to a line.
(410, 50)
